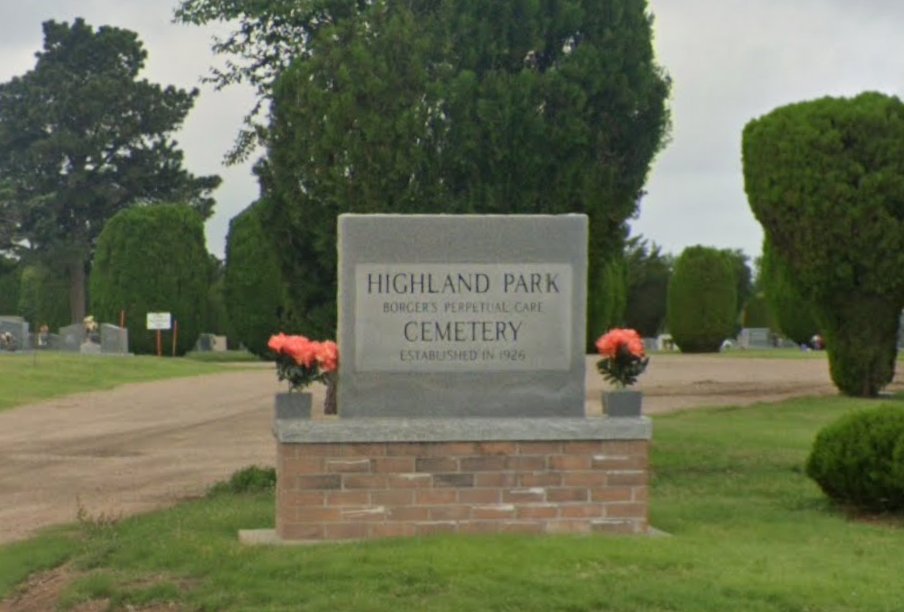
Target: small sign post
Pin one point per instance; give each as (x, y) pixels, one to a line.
(159, 321)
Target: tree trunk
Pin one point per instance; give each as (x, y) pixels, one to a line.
(76, 266)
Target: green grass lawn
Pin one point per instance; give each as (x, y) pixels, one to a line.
(748, 532)
(26, 378)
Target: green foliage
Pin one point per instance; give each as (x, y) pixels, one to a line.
(44, 296)
(81, 138)
(253, 286)
(826, 180)
(859, 459)
(153, 259)
(453, 108)
(648, 272)
(606, 304)
(217, 315)
(757, 313)
(217, 321)
(788, 307)
(252, 479)
(10, 281)
(702, 300)
(744, 280)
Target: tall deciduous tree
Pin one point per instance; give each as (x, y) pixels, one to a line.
(462, 107)
(826, 180)
(81, 138)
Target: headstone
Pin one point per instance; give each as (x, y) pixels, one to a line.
(204, 343)
(664, 342)
(113, 339)
(89, 348)
(73, 337)
(219, 343)
(755, 338)
(17, 328)
(455, 316)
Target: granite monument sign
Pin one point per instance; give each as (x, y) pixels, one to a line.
(443, 316)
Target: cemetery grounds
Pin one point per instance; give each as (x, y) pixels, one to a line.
(147, 446)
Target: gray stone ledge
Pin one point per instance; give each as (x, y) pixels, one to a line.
(298, 431)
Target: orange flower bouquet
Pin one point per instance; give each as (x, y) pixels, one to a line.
(302, 361)
(623, 356)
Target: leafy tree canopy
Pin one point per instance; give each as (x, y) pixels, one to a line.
(81, 138)
(463, 107)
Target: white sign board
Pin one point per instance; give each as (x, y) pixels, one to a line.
(159, 320)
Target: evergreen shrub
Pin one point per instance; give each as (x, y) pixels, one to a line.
(792, 312)
(825, 178)
(858, 460)
(153, 259)
(702, 300)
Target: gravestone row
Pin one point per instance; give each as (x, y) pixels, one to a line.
(109, 339)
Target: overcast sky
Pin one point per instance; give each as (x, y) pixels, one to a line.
(730, 61)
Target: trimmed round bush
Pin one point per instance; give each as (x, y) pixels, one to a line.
(702, 301)
(859, 460)
(152, 259)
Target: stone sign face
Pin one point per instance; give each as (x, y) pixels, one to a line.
(462, 317)
(470, 315)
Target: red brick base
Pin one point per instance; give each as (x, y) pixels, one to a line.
(371, 490)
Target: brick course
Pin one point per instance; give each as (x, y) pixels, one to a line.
(330, 491)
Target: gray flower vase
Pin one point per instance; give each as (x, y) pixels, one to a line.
(622, 403)
(293, 405)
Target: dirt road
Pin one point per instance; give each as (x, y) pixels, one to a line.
(146, 446)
